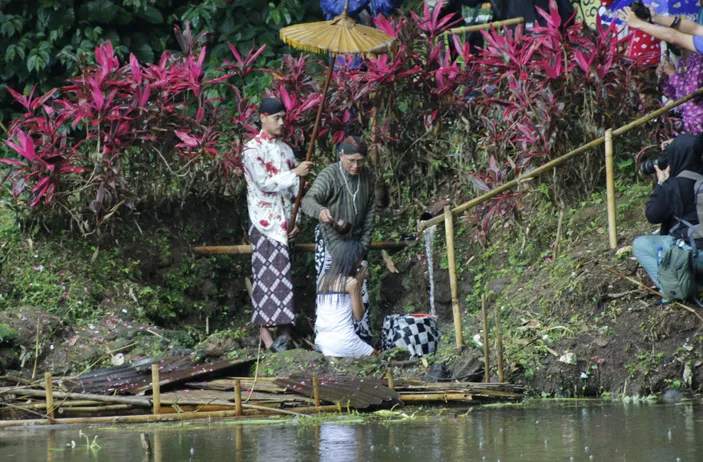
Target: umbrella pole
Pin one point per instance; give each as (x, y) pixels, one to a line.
(311, 147)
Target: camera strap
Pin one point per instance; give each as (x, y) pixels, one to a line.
(698, 193)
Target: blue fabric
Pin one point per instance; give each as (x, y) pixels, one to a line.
(664, 7)
(698, 43)
(384, 7)
(333, 8)
(646, 248)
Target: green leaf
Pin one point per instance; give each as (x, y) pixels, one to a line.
(113, 37)
(7, 29)
(10, 53)
(624, 164)
(18, 23)
(142, 50)
(101, 11)
(94, 34)
(55, 34)
(152, 15)
(123, 17)
(62, 19)
(31, 62)
(250, 34)
(43, 17)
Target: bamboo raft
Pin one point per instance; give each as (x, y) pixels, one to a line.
(181, 388)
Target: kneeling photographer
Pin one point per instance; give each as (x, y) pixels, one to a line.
(668, 257)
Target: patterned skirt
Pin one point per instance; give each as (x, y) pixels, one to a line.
(272, 288)
(323, 260)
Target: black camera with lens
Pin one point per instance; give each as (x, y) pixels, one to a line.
(647, 166)
(641, 10)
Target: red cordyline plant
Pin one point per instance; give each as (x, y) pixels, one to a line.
(126, 135)
(299, 91)
(131, 135)
(544, 93)
(412, 98)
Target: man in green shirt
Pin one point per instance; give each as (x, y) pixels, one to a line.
(344, 190)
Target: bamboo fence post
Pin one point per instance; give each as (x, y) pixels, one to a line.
(49, 397)
(156, 388)
(389, 377)
(555, 254)
(499, 344)
(316, 391)
(559, 160)
(238, 396)
(486, 360)
(449, 233)
(612, 227)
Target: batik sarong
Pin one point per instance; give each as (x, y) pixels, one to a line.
(323, 261)
(272, 288)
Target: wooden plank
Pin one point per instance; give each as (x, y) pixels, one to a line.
(356, 392)
(137, 379)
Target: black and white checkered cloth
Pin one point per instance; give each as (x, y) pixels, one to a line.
(419, 335)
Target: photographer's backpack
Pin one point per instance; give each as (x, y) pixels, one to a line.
(677, 268)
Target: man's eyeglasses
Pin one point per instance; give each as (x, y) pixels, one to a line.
(359, 162)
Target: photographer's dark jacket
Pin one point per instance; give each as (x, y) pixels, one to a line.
(675, 197)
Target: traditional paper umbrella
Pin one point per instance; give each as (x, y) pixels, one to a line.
(341, 35)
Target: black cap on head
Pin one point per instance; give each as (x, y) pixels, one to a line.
(271, 106)
(353, 145)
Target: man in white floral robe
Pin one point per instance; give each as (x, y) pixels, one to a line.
(273, 177)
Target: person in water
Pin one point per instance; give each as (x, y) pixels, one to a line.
(339, 303)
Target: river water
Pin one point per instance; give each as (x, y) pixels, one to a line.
(572, 431)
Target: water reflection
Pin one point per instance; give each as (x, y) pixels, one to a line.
(536, 433)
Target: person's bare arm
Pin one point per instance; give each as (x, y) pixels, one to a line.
(686, 26)
(667, 34)
(354, 289)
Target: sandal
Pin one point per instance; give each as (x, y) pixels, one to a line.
(280, 344)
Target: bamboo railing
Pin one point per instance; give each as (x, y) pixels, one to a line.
(486, 26)
(308, 247)
(560, 160)
(607, 139)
